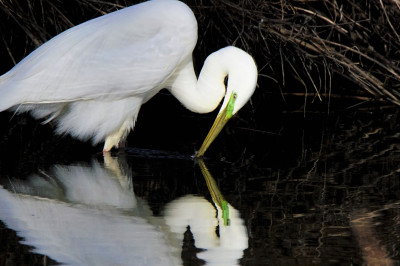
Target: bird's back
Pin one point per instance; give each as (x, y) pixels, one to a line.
(130, 52)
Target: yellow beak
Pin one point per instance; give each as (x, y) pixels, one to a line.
(219, 123)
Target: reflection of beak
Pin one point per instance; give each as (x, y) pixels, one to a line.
(219, 123)
(216, 194)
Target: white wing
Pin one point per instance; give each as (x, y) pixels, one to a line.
(131, 52)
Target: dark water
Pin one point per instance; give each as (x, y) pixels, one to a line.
(316, 190)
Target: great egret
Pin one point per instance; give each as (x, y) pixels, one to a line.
(93, 78)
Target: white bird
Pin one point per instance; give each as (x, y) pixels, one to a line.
(93, 78)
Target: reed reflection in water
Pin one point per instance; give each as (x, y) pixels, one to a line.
(89, 215)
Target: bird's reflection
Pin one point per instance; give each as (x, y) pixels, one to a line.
(90, 185)
(217, 229)
(89, 215)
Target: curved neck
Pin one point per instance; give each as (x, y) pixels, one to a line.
(199, 95)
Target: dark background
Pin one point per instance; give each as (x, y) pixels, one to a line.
(294, 165)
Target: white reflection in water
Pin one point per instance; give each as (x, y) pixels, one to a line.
(203, 220)
(93, 185)
(89, 215)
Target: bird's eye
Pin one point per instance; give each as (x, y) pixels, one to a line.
(234, 95)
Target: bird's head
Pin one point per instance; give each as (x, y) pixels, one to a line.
(241, 83)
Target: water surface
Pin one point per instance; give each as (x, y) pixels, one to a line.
(321, 189)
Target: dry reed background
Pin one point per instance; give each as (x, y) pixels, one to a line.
(315, 48)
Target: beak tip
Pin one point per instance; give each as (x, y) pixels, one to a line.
(199, 155)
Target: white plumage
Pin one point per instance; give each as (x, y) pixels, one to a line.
(93, 78)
